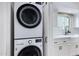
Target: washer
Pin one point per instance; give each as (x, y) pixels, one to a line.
(27, 29)
(28, 20)
(28, 47)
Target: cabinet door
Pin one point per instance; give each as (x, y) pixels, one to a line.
(64, 49)
(72, 49)
(55, 50)
(76, 47)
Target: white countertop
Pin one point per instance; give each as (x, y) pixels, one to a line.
(66, 36)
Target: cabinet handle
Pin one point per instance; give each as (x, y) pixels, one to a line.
(60, 47)
(76, 46)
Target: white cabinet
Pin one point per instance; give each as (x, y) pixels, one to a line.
(75, 49)
(61, 49)
(65, 50)
(68, 47)
(55, 50)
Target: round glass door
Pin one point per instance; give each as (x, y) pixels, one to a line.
(29, 15)
(30, 51)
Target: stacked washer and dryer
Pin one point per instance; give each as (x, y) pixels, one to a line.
(28, 29)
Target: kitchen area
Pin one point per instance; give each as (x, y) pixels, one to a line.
(64, 29)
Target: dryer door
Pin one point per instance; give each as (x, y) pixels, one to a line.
(30, 51)
(28, 15)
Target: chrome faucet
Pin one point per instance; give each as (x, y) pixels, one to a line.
(67, 30)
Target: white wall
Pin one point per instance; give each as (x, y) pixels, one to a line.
(1, 28)
(49, 19)
(5, 28)
(52, 26)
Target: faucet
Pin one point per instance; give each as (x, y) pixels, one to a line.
(67, 30)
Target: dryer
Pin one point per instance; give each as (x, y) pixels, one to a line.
(28, 20)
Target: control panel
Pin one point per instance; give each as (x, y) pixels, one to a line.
(38, 40)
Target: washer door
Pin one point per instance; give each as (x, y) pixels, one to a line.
(29, 15)
(30, 51)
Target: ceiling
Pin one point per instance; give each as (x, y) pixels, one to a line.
(68, 7)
